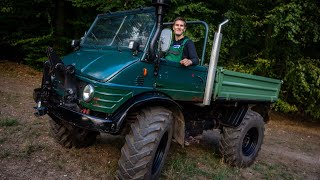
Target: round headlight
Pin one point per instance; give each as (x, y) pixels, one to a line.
(88, 92)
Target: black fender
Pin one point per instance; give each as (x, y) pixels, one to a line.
(151, 99)
(232, 116)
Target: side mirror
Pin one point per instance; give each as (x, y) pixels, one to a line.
(75, 43)
(134, 45)
(165, 39)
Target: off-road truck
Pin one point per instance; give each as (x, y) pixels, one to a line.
(118, 82)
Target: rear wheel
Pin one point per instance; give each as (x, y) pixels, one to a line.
(147, 145)
(240, 146)
(70, 136)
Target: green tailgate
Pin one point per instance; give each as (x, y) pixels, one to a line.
(230, 85)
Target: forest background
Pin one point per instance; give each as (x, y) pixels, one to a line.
(274, 38)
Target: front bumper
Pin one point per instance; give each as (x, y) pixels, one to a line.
(72, 117)
(83, 120)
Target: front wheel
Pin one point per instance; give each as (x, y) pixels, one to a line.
(240, 146)
(70, 136)
(147, 145)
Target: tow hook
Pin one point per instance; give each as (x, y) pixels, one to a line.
(41, 110)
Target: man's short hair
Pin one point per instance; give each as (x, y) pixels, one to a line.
(180, 19)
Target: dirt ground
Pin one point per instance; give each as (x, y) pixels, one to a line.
(291, 148)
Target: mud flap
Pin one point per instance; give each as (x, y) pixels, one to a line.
(233, 116)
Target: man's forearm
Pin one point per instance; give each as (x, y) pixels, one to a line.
(195, 61)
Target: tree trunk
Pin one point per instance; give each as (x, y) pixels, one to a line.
(59, 20)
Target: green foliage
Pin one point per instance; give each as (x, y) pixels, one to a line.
(261, 67)
(109, 5)
(292, 21)
(35, 56)
(302, 86)
(285, 107)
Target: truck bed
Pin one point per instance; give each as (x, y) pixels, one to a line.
(230, 85)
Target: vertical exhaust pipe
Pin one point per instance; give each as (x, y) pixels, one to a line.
(160, 5)
(213, 64)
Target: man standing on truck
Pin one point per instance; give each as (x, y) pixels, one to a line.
(182, 48)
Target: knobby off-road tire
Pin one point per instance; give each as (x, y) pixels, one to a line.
(147, 145)
(240, 146)
(70, 136)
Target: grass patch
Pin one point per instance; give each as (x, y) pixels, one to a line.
(195, 162)
(273, 171)
(2, 140)
(105, 154)
(29, 148)
(34, 134)
(4, 153)
(7, 122)
(15, 130)
(61, 163)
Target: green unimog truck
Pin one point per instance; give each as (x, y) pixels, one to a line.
(117, 82)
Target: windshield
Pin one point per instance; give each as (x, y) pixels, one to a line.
(117, 31)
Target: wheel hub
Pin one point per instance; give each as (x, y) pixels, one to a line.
(159, 153)
(250, 141)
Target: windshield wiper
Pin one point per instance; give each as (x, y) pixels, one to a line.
(116, 35)
(95, 37)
